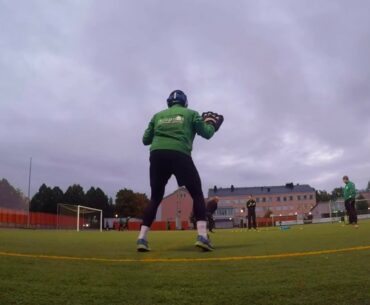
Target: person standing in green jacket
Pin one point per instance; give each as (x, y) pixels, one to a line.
(349, 193)
(170, 135)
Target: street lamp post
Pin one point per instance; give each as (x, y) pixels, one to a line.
(29, 194)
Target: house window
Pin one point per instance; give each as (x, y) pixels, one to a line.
(263, 199)
(291, 198)
(277, 198)
(284, 199)
(304, 197)
(224, 211)
(299, 197)
(311, 197)
(257, 199)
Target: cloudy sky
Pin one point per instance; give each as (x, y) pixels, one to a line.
(79, 81)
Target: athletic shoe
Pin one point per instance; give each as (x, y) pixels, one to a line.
(204, 243)
(142, 245)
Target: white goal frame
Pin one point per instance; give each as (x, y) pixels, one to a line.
(77, 208)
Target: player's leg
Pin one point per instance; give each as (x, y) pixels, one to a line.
(347, 206)
(254, 218)
(160, 172)
(349, 209)
(211, 222)
(353, 212)
(187, 175)
(249, 219)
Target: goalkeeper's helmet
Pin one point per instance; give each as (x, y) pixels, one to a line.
(177, 97)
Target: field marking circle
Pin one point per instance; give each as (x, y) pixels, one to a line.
(186, 260)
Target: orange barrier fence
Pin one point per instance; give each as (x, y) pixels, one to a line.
(268, 222)
(14, 218)
(156, 226)
(19, 219)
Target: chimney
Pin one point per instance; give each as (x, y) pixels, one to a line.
(215, 189)
(232, 188)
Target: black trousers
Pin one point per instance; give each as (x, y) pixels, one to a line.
(164, 164)
(252, 218)
(350, 205)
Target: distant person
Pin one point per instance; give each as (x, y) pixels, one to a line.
(193, 220)
(251, 207)
(349, 194)
(210, 210)
(121, 224)
(126, 225)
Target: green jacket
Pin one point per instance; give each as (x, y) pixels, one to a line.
(175, 129)
(349, 191)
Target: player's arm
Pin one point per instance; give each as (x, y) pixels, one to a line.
(202, 128)
(149, 133)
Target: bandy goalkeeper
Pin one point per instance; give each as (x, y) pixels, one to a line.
(171, 133)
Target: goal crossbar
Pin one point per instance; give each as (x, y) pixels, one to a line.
(85, 210)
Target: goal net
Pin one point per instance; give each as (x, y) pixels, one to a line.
(79, 217)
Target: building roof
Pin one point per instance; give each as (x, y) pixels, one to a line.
(261, 190)
(181, 188)
(366, 194)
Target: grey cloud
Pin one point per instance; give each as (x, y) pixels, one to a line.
(80, 80)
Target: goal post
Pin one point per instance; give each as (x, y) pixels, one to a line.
(79, 217)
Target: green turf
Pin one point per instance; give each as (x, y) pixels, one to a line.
(330, 279)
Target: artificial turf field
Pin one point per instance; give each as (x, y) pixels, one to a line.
(249, 272)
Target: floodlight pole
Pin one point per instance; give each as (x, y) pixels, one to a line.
(101, 221)
(330, 215)
(78, 218)
(29, 193)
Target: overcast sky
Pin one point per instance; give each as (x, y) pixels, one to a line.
(80, 80)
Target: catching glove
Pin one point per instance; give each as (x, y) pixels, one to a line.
(213, 118)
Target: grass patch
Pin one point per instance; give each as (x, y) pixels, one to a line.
(340, 278)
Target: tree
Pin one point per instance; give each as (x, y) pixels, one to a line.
(337, 193)
(111, 208)
(57, 197)
(10, 197)
(46, 199)
(38, 200)
(322, 196)
(74, 195)
(362, 205)
(368, 187)
(96, 198)
(129, 203)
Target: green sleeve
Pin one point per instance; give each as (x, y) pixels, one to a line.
(352, 191)
(149, 133)
(203, 129)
